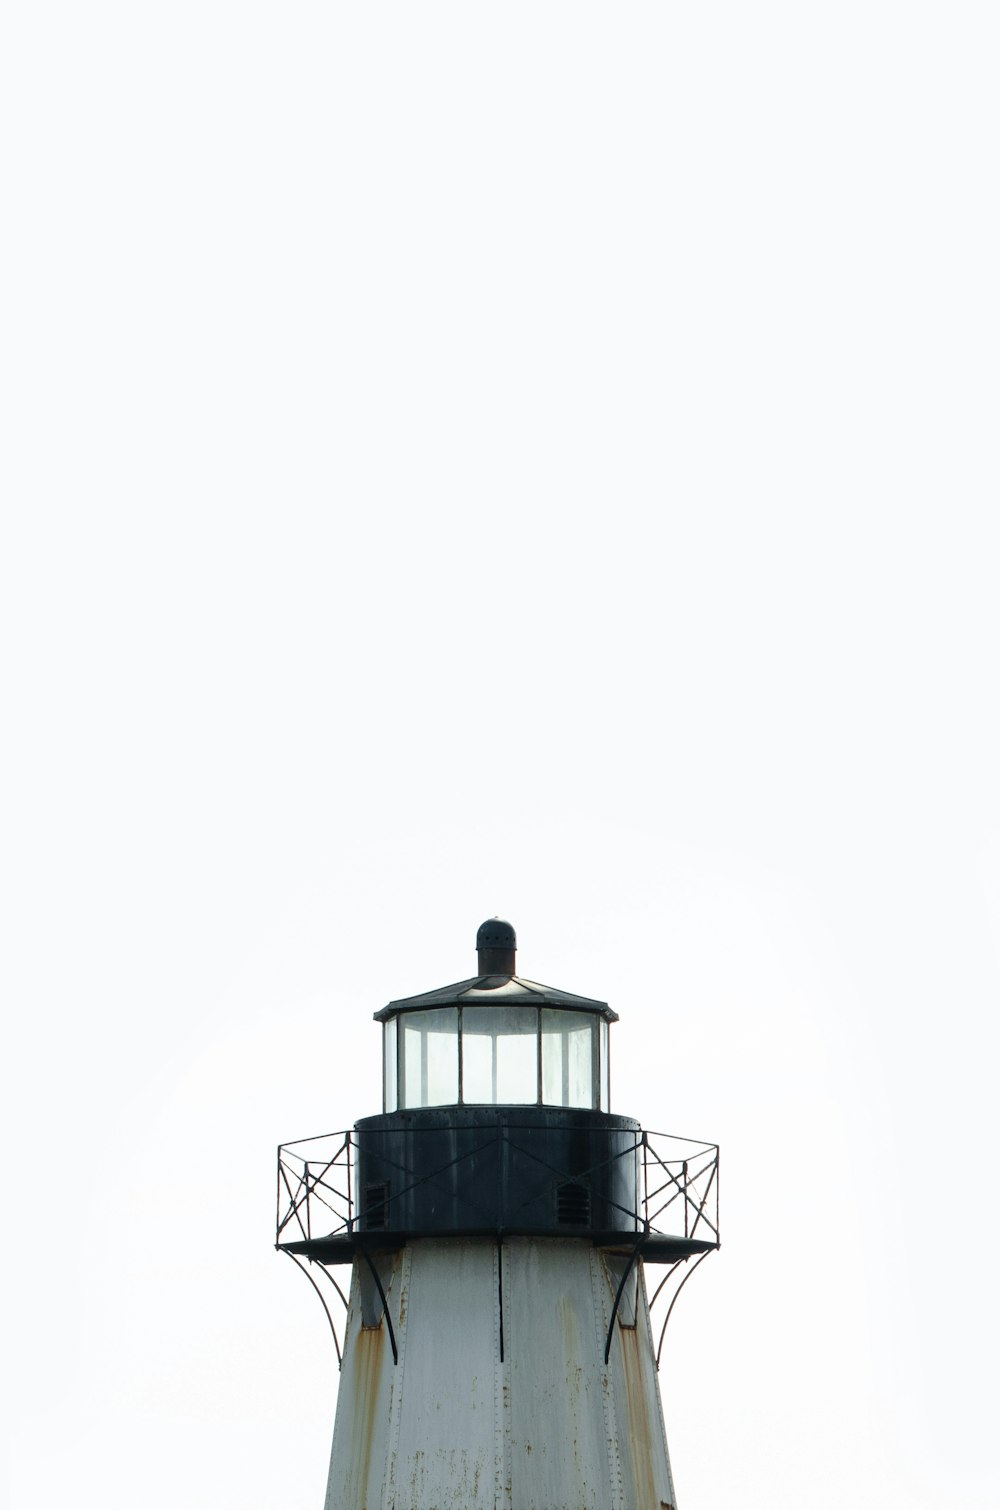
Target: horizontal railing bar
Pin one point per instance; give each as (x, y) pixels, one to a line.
(295, 1159)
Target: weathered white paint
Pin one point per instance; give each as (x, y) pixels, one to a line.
(452, 1428)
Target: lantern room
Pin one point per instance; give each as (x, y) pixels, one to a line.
(496, 1040)
(496, 1121)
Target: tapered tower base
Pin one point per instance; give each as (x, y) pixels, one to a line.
(474, 1378)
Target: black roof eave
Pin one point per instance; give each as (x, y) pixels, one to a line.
(525, 993)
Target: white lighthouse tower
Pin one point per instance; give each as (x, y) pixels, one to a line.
(497, 1219)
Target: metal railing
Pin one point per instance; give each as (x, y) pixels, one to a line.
(678, 1186)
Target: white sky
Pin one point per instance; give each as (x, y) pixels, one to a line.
(520, 459)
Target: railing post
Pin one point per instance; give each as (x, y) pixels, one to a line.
(350, 1206)
(717, 1195)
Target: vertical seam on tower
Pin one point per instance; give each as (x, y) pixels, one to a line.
(398, 1375)
(353, 1310)
(500, 1498)
(601, 1317)
(648, 1331)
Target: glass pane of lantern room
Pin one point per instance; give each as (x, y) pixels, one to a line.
(499, 1056)
(517, 1058)
(479, 1057)
(430, 1057)
(568, 1058)
(389, 1051)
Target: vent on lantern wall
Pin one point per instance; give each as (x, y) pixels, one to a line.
(573, 1205)
(377, 1206)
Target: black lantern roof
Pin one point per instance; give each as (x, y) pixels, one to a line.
(498, 991)
(496, 985)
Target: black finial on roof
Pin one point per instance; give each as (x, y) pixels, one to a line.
(496, 943)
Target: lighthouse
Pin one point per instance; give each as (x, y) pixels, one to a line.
(498, 1254)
